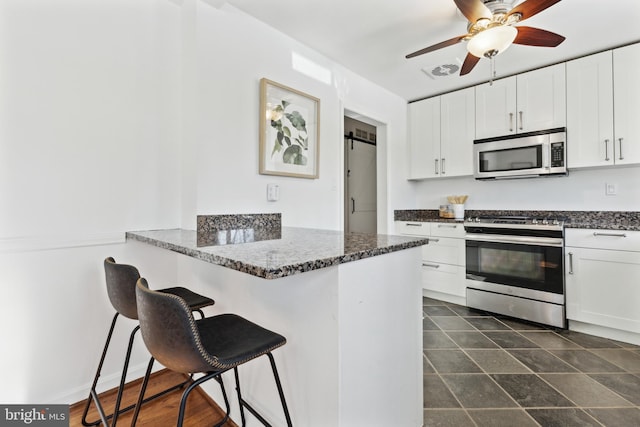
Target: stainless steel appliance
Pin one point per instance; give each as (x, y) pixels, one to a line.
(515, 267)
(525, 155)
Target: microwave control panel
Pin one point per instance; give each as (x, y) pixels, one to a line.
(557, 154)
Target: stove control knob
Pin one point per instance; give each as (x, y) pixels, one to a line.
(545, 221)
(534, 221)
(556, 222)
(477, 219)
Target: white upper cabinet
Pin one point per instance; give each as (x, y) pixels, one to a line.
(457, 131)
(590, 110)
(424, 138)
(626, 104)
(541, 99)
(496, 108)
(603, 106)
(531, 101)
(441, 132)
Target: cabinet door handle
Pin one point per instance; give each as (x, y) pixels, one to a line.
(433, 240)
(510, 122)
(411, 224)
(436, 169)
(595, 233)
(521, 122)
(620, 140)
(424, 264)
(570, 262)
(442, 165)
(447, 226)
(606, 150)
(353, 205)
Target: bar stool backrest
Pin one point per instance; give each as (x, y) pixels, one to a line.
(170, 332)
(121, 287)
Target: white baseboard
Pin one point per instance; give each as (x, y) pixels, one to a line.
(454, 299)
(604, 332)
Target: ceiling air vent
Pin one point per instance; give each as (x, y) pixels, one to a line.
(441, 70)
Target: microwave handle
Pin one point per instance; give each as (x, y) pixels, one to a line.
(546, 156)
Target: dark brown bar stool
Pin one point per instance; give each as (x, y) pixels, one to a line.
(211, 345)
(121, 284)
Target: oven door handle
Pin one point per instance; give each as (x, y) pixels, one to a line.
(518, 240)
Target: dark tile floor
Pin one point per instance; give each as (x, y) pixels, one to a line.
(488, 370)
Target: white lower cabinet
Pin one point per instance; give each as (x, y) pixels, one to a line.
(603, 278)
(443, 259)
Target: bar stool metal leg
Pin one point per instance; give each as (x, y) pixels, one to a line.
(93, 394)
(183, 401)
(196, 383)
(245, 404)
(280, 392)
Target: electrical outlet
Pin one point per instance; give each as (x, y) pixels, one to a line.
(610, 189)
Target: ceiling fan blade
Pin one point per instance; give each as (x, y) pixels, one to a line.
(529, 8)
(536, 37)
(469, 62)
(473, 9)
(437, 46)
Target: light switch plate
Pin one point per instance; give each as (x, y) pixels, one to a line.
(273, 192)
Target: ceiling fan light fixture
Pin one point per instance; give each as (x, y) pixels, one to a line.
(492, 41)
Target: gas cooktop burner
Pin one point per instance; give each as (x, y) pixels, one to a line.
(515, 222)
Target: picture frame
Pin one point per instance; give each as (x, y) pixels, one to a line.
(289, 131)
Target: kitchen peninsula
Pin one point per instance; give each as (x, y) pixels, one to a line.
(348, 304)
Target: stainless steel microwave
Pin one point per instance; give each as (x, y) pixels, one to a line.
(542, 153)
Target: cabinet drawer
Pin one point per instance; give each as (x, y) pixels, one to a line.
(603, 239)
(415, 228)
(447, 229)
(448, 279)
(444, 250)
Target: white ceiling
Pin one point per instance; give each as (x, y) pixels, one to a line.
(372, 37)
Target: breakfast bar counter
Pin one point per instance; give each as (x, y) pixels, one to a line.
(350, 306)
(278, 253)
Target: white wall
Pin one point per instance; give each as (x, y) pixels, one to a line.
(89, 136)
(582, 190)
(234, 51)
(89, 114)
(123, 115)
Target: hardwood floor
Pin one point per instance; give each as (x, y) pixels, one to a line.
(161, 412)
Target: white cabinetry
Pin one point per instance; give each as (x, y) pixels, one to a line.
(457, 131)
(441, 132)
(531, 101)
(590, 110)
(424, 138)
(603, 105)
(443, 259)
(603, 278)
(626, 104)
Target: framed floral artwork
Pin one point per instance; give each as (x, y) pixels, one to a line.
(289, 131)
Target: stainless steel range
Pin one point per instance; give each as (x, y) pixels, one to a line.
(515, 267)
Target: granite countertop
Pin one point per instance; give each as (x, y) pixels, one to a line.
(610, 220)
(298, 250)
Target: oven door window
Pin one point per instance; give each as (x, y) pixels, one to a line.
(525, 266)
(511, 159)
